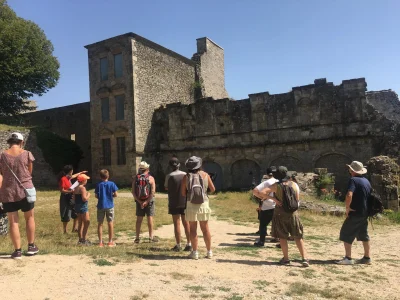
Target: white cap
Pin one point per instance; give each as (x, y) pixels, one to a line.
(17, 136)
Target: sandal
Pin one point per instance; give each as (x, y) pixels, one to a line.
(137, 241)
(284, 262)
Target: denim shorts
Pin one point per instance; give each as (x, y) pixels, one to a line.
(81, 208)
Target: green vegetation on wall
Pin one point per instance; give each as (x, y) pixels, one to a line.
(58, 151)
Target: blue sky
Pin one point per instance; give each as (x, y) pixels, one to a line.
(269, 45)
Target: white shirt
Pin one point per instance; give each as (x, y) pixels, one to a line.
(268, 203)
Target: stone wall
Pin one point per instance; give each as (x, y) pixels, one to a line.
(42, 173)
(386, 102)
(211, 69)
(69, 122)
(318, 125)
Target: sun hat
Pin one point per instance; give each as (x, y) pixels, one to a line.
(17, 135)
(82, 177)
(193, 163)
(357, 167)
(144, 165)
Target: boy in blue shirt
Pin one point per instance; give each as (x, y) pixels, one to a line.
(105, 192)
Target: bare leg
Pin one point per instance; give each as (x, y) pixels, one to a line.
(302, 249)
(186, 226)
(75, 226)
(13, 219)
(285, 248)
(65, 227)
(80, 226)
(138, 225)
(347, 249)
(86, 223)
(150, 225)
(193, 235)
(366, 246)
(206, 234)
(177, 228)
(30, 226)
(110, 231)
(100, 232)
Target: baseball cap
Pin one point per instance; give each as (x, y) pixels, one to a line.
(17, 135)
(82, 177)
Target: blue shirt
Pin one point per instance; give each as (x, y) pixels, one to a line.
(361, 189)
(104, 191)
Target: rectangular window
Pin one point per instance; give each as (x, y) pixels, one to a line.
(119, 107)
(73, 137)
(121, 157)
(118, 65)
(105, 110)
(106, 143)
(104, 68)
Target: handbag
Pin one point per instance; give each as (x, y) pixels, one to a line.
(29, 193)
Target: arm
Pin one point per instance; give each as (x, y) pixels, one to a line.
(77, 174)
(115, 194)
(210, 184)
(1, 180)
(349, 198)
(85, 194)
(30, 167)
(134, 191)
(183, 186)
(166, 182)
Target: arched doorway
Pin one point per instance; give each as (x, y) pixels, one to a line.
(245, 174)
(336, 164)
(215, 172)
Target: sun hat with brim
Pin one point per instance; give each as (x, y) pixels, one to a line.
(193, 163)
(17, 135)
(82, 177)
(357, 167)
(144, 165)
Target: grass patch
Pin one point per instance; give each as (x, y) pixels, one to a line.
(261, 283)
(181, 276)
(292, 273)
(207, 296)
(302, 289)
(195, 288)
(102, 273)
(223, 289)
(235, 296)
(334, 270)
(153, 265)
(103, 262)
(308, 273)
(140, 296)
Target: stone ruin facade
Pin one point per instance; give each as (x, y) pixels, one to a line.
(148, 102)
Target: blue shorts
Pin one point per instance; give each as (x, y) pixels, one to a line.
(81, 208)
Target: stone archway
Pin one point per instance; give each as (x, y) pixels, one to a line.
(245, 174)
(290, 162)
(336, 164)
(215, 172)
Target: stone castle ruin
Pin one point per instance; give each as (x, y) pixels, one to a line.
(148, 102)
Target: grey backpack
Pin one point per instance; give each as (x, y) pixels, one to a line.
(196, 193)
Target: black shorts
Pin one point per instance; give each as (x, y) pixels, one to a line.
(354, 227)
(176, 211)
(67, 208)
(23, 205)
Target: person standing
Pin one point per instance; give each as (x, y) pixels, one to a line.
(16, 162)
(356, 223)
(267, 207)
(144, 190)
(177, 204)
(81, 198)
(67, 209)
(194, 187)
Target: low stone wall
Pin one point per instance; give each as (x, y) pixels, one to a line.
(42, 172)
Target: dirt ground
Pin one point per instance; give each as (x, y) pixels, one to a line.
(237, 271)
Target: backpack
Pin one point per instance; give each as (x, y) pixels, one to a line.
(142, 186)
(289, 201)
(374, 204)
(196, 193)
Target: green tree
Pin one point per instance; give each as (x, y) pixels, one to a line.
(27, 64)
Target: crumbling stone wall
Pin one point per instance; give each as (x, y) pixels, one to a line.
(383, 173)
(42, 173)
(318, 125)
(386, 102)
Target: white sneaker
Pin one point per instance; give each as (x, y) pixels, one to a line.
(209, 254)
(346, 261)
(194, 255)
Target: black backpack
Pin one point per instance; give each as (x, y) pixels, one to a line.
(289, 201)
(374, 204)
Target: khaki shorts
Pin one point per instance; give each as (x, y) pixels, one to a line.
(108, 213)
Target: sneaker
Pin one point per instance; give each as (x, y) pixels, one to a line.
(209, 254)
(80, 242)
(177, 248)
(188, 248)
(259, 244)
(137, 241)
(274, 240)
(305, 263)
(194, 255)
(364, 261)
(346, 261)
(16, 255)
(284, 262)
(111, 244)
(278, 246)
(86, 243)
(101, 244)
(32, 250)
